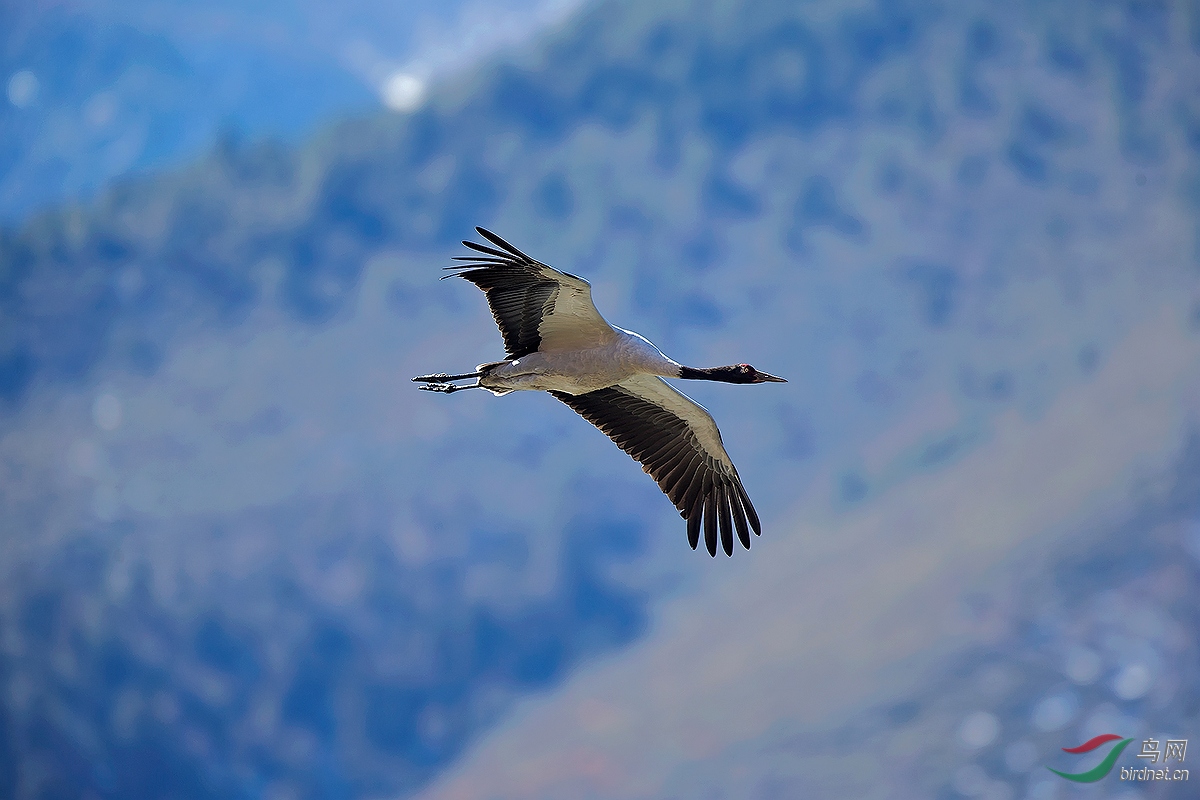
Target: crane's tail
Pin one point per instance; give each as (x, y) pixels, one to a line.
(485, 369)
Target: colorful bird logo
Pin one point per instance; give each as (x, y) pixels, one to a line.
(1104, 767)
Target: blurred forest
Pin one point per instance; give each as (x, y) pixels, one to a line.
(242, 558)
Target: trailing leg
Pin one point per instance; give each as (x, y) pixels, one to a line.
(448, 388)
(442, 377)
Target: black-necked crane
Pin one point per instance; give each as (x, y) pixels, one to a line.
(557, 342)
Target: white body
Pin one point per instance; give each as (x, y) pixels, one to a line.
(578, 371)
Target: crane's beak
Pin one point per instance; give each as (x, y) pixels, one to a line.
(765, 378)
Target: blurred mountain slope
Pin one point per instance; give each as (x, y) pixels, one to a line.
(242, 547)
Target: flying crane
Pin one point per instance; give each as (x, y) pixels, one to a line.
(557, 342)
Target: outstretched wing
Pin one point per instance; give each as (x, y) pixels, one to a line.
(678, 444)
(535, 306)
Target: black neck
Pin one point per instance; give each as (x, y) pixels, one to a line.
(730, 374)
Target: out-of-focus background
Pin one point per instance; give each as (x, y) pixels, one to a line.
(241, 557)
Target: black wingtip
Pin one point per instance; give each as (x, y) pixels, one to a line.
(751, 514)
(693, 524)
(726, 520)
(491, 251)
(501, 243)
(710, 519)
(491, 237)
(739, 519)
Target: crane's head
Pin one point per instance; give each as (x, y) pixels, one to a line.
(748, 374)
